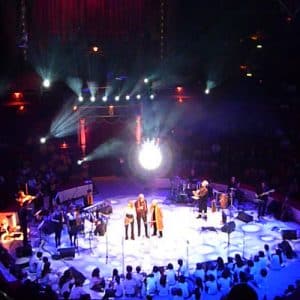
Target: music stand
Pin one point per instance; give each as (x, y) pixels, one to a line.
(228, 228)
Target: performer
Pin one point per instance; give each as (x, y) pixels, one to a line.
(129, 219)
(57, 219)
(202, 196)
(262, 193)
(22, 198)
(89, 199)
(156, 218)
(23, 218)
(141, 210)
(232, 185)
(72, 226)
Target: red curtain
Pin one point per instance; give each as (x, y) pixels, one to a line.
(95, 18)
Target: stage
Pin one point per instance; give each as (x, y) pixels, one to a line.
(184, 236)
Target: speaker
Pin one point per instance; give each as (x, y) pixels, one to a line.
(289, 234)
(24, 251)
(78, 276)
(66, 252)
(228, 227)
(244, 217)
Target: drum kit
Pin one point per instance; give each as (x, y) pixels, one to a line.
(182, 189)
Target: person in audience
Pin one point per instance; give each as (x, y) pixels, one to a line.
(162, 287)
(77, 290)
(97, 283)
(129, 219)
(33, 262)
(139, 278)
(150, 285)
(115, 289)
(66, 283)
(242, 290)
(171, 275)
(182, 268)
(182, 285)
(263, 261)
(225, 282)
(211, 285)
(267, 251)
(129, 286)
(198, 288)
(199, 271)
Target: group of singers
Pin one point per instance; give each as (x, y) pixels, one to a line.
(139, 210)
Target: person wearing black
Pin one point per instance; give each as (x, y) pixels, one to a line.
(141, 213)
(202, 195)
(72, 227)
(57, 219)
(23, 218)
(262, 193)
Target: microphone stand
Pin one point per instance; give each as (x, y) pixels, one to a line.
(187, 254)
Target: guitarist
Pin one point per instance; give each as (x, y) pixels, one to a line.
(262, 193)
(202, 194)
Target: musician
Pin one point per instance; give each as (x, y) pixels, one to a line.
(202, 194)
(156, 218)
(57, 219)
(141, 210)
(23, 198)
(89, 199)
(129, 219)
(262, 193)
(23, 218)
(232, 185)
(72, 226)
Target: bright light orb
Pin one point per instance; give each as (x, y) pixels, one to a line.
(150, 156)
(46, 83)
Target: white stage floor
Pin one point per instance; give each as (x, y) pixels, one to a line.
(184, 236)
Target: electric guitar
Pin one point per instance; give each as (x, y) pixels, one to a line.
(265, 193)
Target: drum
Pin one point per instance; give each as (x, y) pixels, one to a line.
(223, 200)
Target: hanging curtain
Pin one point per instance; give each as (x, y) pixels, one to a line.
(95, 18)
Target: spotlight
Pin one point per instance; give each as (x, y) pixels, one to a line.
(150, 156)
(75, 107)
(95, 49)
(79, 162)
(127, 97)
(259, 46)
(93, 98)
(104, 98)
(21, 107)
(146, 80)
(80, 98)
(152, 96)
(207, 91)
(117, 98)
(249, 74)
(179, 89)
(46, 83)
(43, 140)
(138, 96)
